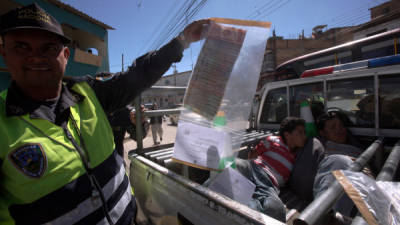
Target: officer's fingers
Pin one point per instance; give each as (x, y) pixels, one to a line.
(194, 30)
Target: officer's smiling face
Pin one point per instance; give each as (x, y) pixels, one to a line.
(36, 59)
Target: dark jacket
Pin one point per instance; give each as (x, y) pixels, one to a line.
(156, 119)
(119, 121)
(305, 168)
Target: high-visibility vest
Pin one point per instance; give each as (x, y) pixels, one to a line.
(43, 179)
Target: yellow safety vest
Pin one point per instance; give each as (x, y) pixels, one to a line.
(43, 178)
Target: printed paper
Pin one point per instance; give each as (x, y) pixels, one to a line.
(213, 69)
(234, 185)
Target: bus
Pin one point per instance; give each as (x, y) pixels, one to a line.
(379, 45)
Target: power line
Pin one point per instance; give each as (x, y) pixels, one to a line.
(257, 11)
(190, 12)
(347, 17)
(350, 20)
(272, 10)
(163, 20)
(170, 22)
(175, 24)
(180, 22)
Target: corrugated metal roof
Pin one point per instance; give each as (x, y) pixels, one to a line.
(79, 13)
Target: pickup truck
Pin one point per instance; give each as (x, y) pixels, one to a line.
(171, 193)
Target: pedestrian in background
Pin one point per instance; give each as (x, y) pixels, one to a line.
(156, 125)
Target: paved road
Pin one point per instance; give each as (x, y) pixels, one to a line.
(168, 137)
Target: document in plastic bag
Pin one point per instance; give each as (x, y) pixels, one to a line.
(220, 93)
(213, 69)
(199, 146)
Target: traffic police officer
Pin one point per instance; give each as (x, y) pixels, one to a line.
(57, 158)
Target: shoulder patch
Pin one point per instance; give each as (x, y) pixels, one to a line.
(30, 159)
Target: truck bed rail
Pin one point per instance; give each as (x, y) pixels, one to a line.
(321, 205)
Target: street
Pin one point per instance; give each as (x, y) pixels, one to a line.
(169, 133)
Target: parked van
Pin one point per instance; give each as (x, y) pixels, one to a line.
(368, 92)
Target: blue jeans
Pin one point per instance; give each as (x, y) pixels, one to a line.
(325, 178)
(266, 196)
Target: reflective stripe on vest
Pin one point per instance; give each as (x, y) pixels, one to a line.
(62, 192)
(87, 207)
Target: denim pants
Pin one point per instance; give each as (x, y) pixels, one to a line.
(325, 178)
(266, 195)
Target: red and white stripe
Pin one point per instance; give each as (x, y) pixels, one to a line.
(275, 158)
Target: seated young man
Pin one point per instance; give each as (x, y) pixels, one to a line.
(272, 167)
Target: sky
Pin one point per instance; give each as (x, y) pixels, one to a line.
(138, 23)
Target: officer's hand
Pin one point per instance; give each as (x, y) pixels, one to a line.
(193, 31)
(132, 115)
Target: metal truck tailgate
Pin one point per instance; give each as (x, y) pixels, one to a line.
(168, 198)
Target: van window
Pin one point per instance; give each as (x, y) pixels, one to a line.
(380, 49)
(389, 92)
(275, 106)
(329, 60)
(310, 92)
(354, 97)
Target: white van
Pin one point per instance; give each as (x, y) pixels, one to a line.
(368, 92)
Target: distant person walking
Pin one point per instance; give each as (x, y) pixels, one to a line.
(156, 128)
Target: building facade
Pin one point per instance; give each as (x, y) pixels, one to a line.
(384, 17)
(168, 98)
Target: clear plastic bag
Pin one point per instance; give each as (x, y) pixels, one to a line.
(221, 90)
(377, 201)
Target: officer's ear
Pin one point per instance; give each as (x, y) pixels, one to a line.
(66, 53)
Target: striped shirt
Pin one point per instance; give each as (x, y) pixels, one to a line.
(275, 158)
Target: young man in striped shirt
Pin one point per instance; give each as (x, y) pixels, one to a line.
(272, 167)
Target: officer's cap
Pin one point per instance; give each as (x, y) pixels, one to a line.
(31, 17)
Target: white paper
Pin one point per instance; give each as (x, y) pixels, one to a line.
(234, 185)
(200, 145)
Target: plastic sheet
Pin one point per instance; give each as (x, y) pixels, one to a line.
(377, 201)
(221, 89)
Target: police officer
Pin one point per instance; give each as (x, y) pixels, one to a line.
(57, 158)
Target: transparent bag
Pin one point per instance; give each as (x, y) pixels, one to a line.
(219, 96)
(377, 201)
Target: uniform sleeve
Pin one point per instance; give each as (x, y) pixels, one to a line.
(123, 87)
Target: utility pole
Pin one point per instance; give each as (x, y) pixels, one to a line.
(175, 72)
(122, 62)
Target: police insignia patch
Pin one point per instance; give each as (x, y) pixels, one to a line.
(30, 159)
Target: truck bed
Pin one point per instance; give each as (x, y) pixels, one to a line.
(171, 193)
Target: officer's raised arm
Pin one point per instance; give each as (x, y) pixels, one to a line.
(145, 70)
